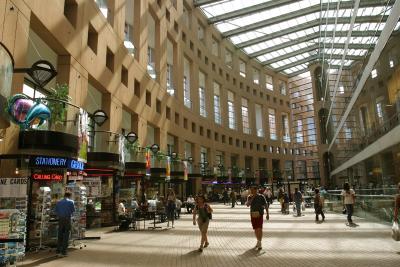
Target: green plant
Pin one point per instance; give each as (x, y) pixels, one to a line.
(58, 97)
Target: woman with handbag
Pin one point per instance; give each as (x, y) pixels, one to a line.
(203, 211)
(171, 206)
(318, 206)
(349, 197)
(257, 204)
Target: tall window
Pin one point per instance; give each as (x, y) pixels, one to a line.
(341, 89)
(129, 15)
(186, 83)
(272, 124)
(245, 116)
(170, 67)
(102, 4)
(186, 17)
(242, 68)
(200, 32)
(217, 104)
(256, 76)
(151, 44)
(285, 128)
(259, 123)
(379, 112)
(214, 47)
(282, 87)
(202, 94)
(228, 58)
(347, 132)
(269, 84)
(231, 111)
(312, 138)
(299, 131)
(203, 154)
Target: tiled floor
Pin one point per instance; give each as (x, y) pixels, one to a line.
(288, 241)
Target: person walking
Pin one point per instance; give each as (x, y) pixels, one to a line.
(171, 205)
(281, 199)
(268, 196)
(298, 200)
(349, 197)
(257, 204)
(178, 204)
(318, 206)
(233, 198)
(64, 210)
(225, 196)
(190, 204)
(397, 204)
(203, 212)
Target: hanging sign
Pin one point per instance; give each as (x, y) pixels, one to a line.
(185, 170)
(56, 162)
(13, 187)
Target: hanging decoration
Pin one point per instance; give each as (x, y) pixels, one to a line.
(148, 163)
(168, 171)
(26, 112)
(185, 170)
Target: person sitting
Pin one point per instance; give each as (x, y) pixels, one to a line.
(124, 221)
(189, 204)
(178, 205)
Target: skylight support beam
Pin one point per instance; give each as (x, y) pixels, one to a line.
(311, 48)
(311, 24)
(301, 13)
(198, 3)
(250, 10)
(316, 57)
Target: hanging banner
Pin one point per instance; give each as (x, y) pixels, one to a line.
(121, 149)
(83, 135)
(185, 170)
(148, 164)
(230, 175)
(168, 171)
(13, 187)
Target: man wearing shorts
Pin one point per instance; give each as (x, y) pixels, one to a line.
(257, 203)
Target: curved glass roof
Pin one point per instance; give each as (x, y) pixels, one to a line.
(286, 35)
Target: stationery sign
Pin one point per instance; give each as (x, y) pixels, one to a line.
(56, 162)
(13, 187)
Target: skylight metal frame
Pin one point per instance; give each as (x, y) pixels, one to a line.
(316, 24)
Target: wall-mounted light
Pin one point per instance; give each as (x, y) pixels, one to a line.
(190, 160)
(131, 137)
(174, 155)
(155, 148)
(17, 170)
(99, 117)
(41, 72)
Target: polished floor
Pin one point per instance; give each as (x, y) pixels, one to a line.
(288, 241)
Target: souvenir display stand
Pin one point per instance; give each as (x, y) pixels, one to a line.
(78, 227)
(12, 229)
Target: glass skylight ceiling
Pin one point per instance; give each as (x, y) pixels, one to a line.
(286, 35)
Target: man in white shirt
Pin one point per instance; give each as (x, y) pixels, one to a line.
(189, 204)
(123, 220)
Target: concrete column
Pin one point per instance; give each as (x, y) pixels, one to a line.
(117, 20)
(140, 32)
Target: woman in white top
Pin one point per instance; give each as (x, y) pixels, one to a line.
(349, 197)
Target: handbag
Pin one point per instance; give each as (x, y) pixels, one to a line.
(395, 231)
(255, 214)
(344, 211)
(303, 207)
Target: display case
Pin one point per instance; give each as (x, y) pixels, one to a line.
(79, 196)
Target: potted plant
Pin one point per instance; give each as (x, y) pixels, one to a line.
(57, 99)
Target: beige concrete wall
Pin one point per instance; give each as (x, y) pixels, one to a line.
(80, 64)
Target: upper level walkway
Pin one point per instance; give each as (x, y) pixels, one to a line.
(288, 241)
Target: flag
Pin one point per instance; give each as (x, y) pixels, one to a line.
(185, 170)
(148, 164)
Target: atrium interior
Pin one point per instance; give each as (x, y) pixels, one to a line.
(124, 101)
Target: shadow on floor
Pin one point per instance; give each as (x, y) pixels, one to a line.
(252, 253)
(192, 254)
(40, 261)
